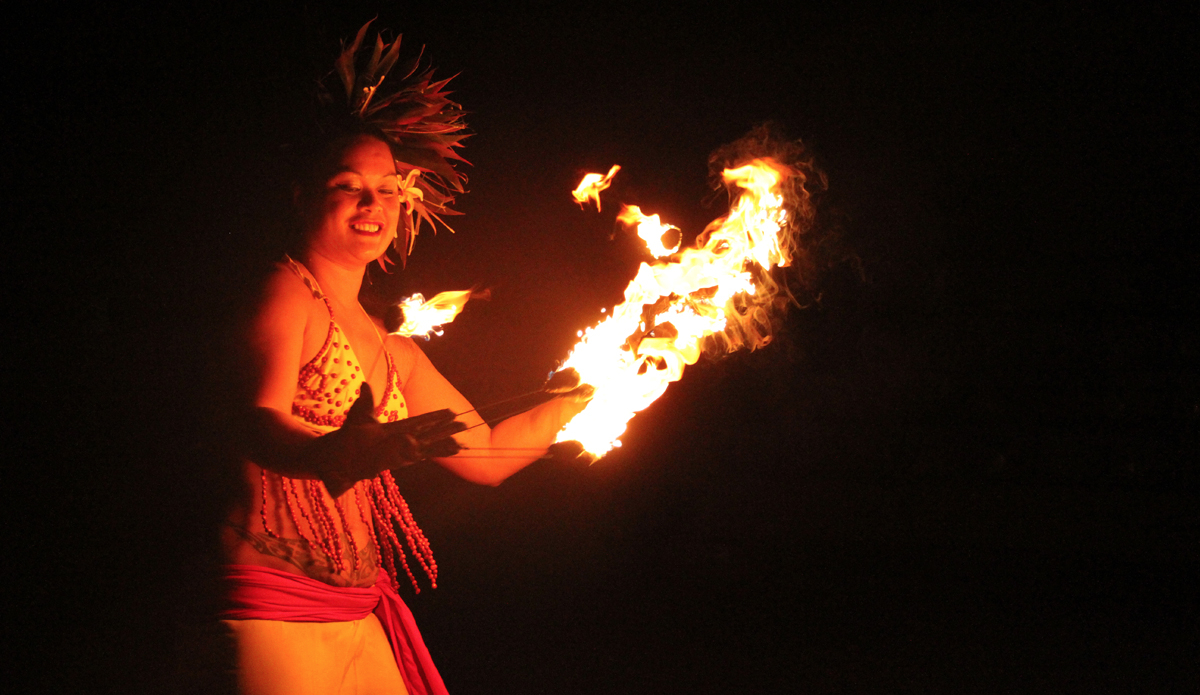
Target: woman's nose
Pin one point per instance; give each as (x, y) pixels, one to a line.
(368, 199)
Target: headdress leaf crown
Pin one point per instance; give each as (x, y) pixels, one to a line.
(422, 125)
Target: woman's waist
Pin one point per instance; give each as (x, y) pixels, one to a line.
(258, 592)
(341, 558)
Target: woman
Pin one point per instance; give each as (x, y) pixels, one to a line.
(316, 541)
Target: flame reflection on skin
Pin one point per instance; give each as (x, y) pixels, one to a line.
(671, 307)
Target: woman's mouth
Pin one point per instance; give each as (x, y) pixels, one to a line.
(366, 227)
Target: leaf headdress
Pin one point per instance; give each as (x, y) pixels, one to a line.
(422, 126)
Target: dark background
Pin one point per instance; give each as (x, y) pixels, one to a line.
(971, 467)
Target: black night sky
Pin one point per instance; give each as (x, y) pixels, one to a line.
(971, 467)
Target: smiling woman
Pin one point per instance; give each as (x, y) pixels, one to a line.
(353, 212)
(320, 514)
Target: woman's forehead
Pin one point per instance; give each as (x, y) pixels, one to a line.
(368, 156)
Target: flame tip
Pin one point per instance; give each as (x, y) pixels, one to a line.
(712, 293)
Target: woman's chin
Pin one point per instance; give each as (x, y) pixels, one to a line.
(360, 248)
(369, 252)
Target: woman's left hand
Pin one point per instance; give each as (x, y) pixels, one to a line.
(568, 388)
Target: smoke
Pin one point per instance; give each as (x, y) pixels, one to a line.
(754, 318)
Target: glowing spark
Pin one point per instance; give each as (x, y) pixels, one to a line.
(591, 185)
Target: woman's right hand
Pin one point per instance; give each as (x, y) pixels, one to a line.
(364, 447)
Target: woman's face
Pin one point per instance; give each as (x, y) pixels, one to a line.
(353, 215)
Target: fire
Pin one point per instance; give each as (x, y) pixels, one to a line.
(423, 318)
(650, 229)
(591, 185)
(673, 306)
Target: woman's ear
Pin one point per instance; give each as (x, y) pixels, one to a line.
(301, 205)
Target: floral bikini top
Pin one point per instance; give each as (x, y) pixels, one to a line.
(328, 385)
(332, 380)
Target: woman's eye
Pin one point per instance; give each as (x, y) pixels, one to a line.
(348, 187)
(387, 191)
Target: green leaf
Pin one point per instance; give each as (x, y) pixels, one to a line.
(389, 59)
(408, 67)
(424, 159)
(374, 64)
(345, 62)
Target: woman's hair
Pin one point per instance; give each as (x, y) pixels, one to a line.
(317, 156)
(409, 112)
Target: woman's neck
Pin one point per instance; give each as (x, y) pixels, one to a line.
(340, 282)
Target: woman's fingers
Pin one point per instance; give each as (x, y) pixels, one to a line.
(436, 425)
(444, 430)
(567, 384)
(409, 449)
(430, 419)
(442, 448)
(562, 381)
(420, 423)
(429, 435)
(583, 394)
(570, 451)
(363, 446)
(362, 412)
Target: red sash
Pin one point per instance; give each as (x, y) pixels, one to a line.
(262, 593)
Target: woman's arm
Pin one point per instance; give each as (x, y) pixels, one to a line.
(518, 441)
(274, 439)
(274, 340)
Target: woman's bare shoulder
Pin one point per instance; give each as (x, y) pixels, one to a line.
(284, 303)
(284, 292)
(283, 284)
(402, 347)
(406, 353)
(400, 343)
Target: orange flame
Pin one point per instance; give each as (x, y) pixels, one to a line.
(423, 318)
(650, 229)
(591, 185)
(672, 307)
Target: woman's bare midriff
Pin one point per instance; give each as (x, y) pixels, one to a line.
(286, 548)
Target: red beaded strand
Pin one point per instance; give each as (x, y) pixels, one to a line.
(384, 511)
(332, 539)
(330, 545)
(263, 510)
(362, 514)
(285, 486)
(384, 552)
(423, 549)
(389, 566)
(289, 492)
(413, 534)
(318, 492)
(379, 506)
(337, 505)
